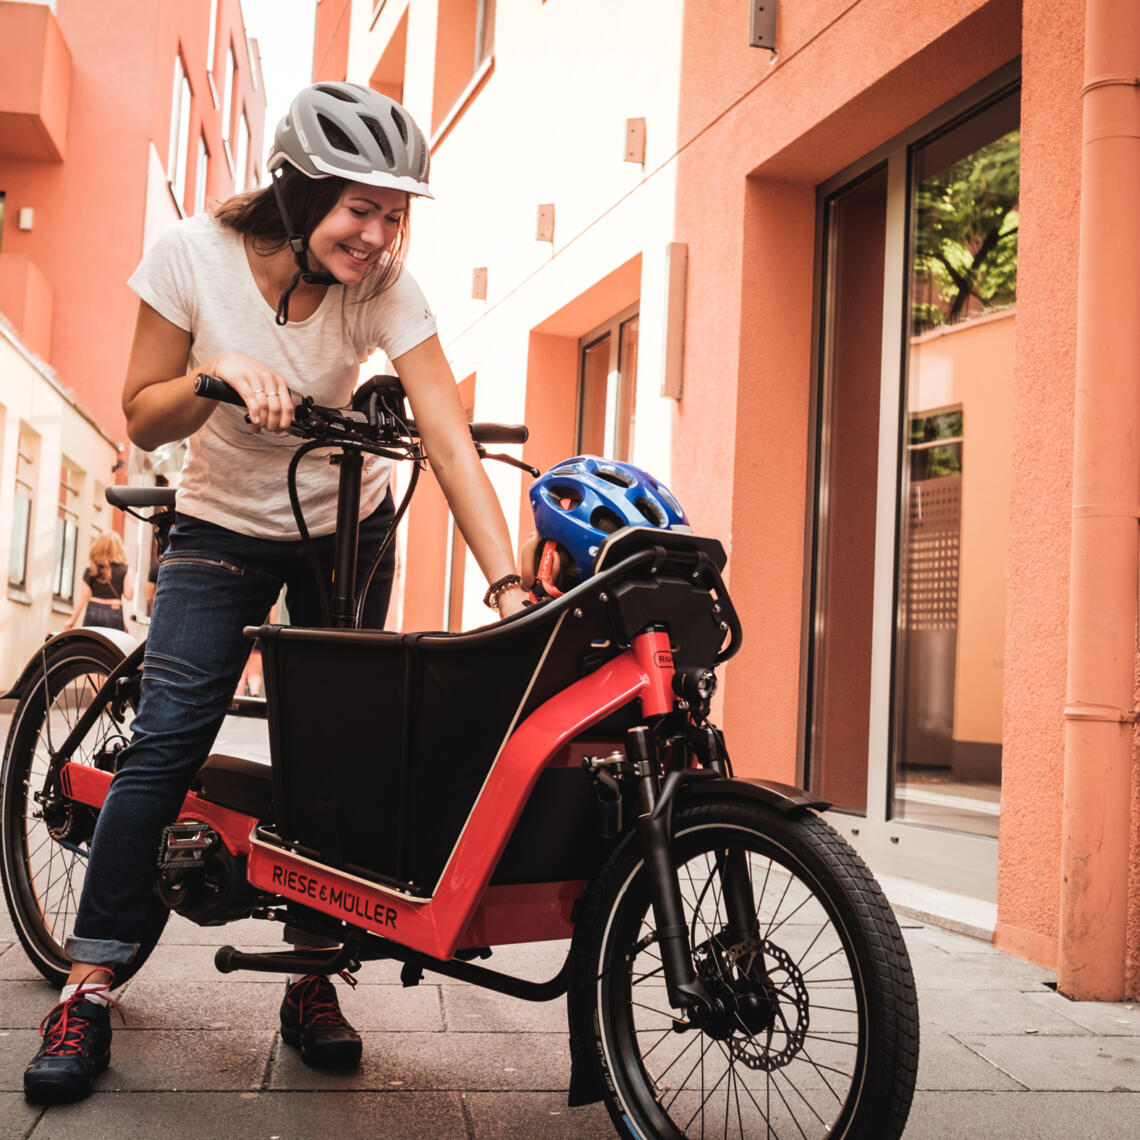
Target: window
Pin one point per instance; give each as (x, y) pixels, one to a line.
(464, 50)
(455, 560)
(200, 175)
(255, 82)
(241, 161)
(607, 386)
(211, 50)
(179, 156)
(212, 40)
(66, 534)
(954, 522)
(27, 456)
(388, 75)
(228, 96)
(906, 635)
(99, 520)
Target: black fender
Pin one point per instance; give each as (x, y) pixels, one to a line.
(118, 642)
(785, 798)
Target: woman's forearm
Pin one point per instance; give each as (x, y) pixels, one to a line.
(165, 411)
(477, 511)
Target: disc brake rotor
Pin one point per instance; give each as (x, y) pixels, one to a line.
(773, 978)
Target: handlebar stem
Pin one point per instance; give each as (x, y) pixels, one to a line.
(351, 463)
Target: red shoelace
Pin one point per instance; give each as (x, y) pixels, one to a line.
(65, 1035)
(314, 993)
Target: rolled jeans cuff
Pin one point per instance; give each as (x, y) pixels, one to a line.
(100, 951)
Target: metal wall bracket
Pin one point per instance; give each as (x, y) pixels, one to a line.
(762, 24)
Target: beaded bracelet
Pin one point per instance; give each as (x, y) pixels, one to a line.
(491, 597)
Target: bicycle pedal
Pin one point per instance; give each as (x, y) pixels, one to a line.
(185, 844)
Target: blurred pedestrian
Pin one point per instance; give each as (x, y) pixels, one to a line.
(106, 583)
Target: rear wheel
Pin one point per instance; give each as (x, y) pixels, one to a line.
(817, 1034)
(45, 837)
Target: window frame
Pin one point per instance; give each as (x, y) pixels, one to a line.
(483, 63)
(957, 860)
(67, 527)
(617, 397)
(241, 157)
(212, 51)
(26, 476)
(178, 154)
(228, 102)
(201, 174)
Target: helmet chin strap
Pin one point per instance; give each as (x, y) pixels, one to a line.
(297, 245)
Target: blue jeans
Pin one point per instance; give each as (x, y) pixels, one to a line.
(212, 583)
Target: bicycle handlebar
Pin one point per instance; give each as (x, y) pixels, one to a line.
(215, 388)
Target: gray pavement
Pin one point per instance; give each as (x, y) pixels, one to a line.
(1003, 1055)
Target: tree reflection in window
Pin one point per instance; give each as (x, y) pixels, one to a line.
(935, 445)
(965, 256)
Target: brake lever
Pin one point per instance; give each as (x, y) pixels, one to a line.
(510, 460)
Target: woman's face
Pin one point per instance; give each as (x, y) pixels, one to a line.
(350, 238)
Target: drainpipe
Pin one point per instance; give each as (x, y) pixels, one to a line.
(1101, 713)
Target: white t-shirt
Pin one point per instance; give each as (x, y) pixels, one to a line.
(198, 277)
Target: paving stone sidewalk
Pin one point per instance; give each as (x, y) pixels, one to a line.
(1003, 1055)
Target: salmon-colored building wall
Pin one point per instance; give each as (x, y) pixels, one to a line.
(330, 40)
(86, 93)
(90, 209)
(738, 144)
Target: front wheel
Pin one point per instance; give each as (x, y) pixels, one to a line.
(44, 837)
(817, 1030)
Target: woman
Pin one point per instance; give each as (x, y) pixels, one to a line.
(106, 584)
(290, 287)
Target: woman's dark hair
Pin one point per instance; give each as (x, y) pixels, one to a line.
(309, 201)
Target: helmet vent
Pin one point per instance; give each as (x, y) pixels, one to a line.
(669, 500)
(566, 497)
(401, 126)
(338, 93)
(381, 138)
(614, 476)
(651, 511)
(337, 139)
(605, 521)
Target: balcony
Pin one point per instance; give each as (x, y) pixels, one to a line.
(26, 300)
(35, 84)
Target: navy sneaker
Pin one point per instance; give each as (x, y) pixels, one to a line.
(76, 1049)
(311, 1021)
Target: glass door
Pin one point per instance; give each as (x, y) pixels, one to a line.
(918, 302)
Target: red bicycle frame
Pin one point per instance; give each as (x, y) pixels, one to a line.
(463, 911)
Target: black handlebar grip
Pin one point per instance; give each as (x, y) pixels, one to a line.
(499, 433)
(215, 388)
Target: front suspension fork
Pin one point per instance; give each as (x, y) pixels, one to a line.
(654, 828)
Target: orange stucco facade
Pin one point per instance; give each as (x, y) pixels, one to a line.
(740, 144)
(89, 176)
(105, 85)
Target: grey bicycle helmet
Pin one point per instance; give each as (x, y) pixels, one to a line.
(348, 131)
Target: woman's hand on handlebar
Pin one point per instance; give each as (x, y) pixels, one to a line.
(265, 392)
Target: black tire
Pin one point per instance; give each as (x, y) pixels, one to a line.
(43, 844)
(821, 1040)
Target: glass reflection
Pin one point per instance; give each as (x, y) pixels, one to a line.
(955, 475)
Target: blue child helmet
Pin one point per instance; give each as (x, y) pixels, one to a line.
(581, 501)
